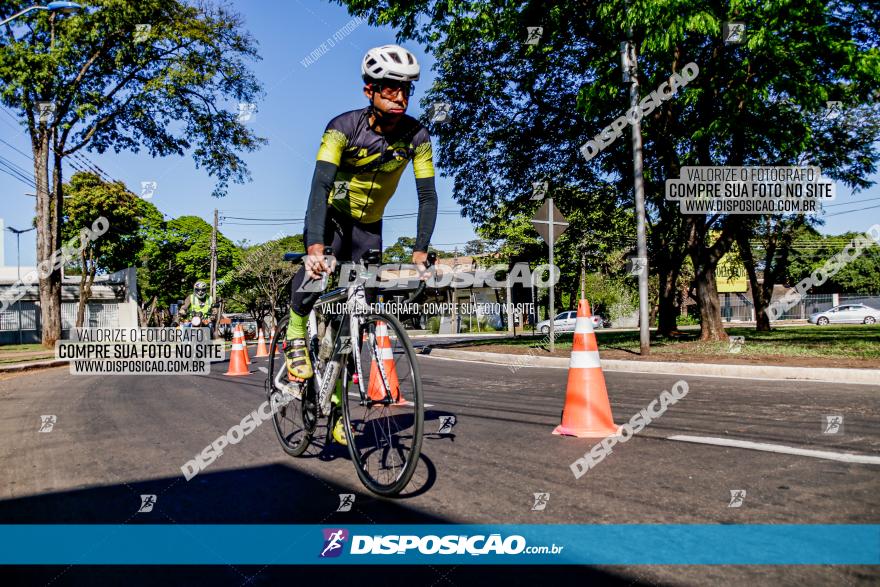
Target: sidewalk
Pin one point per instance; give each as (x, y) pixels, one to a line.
(823, 374)
(16, 357)
(30, 365)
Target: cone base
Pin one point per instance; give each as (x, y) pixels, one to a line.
(237, 374)
(586, 432)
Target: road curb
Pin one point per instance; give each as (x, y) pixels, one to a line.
(832, 375)
(32, 366)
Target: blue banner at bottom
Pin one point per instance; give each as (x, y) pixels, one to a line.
(452, 544)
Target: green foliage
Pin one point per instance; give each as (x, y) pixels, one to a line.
(260, 282)
(401, 251)
(612, 297)
(168, 93)
(177, 253)
(88, 198)
(811, 251)
(520, 113)
(688, 320)
(434, 324)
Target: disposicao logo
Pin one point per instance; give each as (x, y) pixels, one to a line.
(334, 538)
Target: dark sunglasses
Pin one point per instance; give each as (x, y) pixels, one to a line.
(390, 89)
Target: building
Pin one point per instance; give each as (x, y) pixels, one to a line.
(113, 304)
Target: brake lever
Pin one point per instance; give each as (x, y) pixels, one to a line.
(420, 289)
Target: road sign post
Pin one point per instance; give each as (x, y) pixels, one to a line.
(550, 224)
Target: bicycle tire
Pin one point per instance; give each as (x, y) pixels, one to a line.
(400, 481)
(305, 406)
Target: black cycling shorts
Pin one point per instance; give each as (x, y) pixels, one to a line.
(351, 240)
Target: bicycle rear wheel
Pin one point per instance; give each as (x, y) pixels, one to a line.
(384, 432)
(294, 422)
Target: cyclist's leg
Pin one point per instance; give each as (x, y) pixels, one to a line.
(363, 238)
(303, 296)
(360, 239)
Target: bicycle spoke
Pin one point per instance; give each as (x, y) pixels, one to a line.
(292, 423)
(386, 440)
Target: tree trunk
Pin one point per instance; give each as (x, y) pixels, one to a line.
(711, 325)
(762, 321)
(666, 308)
(48, 239)
(85, 283)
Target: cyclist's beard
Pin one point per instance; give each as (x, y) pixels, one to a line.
(384, 119)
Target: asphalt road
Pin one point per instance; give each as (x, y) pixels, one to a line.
(116, 438)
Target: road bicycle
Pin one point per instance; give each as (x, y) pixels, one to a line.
(364, 357)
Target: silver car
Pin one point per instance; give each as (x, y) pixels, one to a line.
(565, 322)
(846, 314)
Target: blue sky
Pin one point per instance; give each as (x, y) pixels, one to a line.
(298, 104)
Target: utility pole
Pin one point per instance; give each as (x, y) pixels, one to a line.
(630, 73)
(214, 257)
(551, 241)
(18, 233)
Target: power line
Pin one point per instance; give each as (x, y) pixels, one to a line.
(78, 161)
(262, 219)
(16, 149)
(848, 203)
(851, 211)
(13, 170)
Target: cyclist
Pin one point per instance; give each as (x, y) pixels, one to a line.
(198, 303)
(360, 161)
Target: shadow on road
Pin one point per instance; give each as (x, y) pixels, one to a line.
(272, 494)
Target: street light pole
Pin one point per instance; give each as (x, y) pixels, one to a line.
(17, 233)
(53, 7)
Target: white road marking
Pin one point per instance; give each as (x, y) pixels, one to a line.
(263, 369)
(671, 371)
(780, 448)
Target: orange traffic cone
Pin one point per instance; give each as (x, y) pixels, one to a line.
(376, 389)
(237, 363)
(247, 357)
(262, 351)
(587, 413)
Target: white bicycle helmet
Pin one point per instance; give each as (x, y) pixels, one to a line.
(389, 62)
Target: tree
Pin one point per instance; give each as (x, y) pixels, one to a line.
(111, 88)
(810, 251)
(520, 112)
(261, 281)
(766, 247)
(89, 198)
(401, 251)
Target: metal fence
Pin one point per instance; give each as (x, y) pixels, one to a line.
(806, 306)
(737, 307)
(20, 323)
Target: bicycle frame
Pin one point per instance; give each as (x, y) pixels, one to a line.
(355, 298)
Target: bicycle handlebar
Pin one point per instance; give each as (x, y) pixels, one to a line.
(432, 258)
(429, 262)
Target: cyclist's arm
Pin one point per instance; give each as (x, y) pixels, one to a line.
(423, 167)
(182, 310)
(316, 214)
(329, 157)
(427, 193)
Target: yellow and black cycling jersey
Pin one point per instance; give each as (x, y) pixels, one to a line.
(369, 164)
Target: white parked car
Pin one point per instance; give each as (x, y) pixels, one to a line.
(565, 322)
(846, 314)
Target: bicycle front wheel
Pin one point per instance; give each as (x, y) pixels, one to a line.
(384, 429)
(294, 418)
